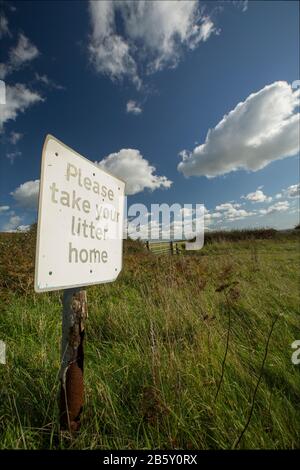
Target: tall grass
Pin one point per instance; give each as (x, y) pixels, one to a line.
(159, 347)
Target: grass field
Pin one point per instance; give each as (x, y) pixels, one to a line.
(180, 352)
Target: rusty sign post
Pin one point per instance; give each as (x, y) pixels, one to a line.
(72, 358)
(79, 243)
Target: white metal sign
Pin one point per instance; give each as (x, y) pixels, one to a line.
(80, 221)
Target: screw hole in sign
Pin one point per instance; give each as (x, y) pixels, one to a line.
(91, 270)
(56, 154)
(50, 273)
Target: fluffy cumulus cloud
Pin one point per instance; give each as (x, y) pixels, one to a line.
(12, 224)
(152, 37)
(292, 191)
(4, 29)
(18, 99)
(226, 206)
(4, 209)
(232, 211)
(257, 196)
(15, 137)
(13, 155)
(48, 82)
(129, 165)
(211, 218)
(23, 53)
(224, 216)
(23, 228)
(259, 130)
(242, 4)
(133, 107)
(26, 195)
(277, 207)
(187, 212)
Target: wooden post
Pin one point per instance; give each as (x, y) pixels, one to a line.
(71, 373)
(148, 245)
(177, 249)
(171, 247)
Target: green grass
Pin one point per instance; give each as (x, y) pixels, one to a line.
(155, 344)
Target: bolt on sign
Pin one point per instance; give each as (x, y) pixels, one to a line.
(80, 221)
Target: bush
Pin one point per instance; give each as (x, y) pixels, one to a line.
(17, 258)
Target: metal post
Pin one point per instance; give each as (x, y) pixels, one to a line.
(71, 373)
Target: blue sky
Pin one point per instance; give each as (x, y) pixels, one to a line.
(138, 87)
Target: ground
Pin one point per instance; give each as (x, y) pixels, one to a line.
(186, 351)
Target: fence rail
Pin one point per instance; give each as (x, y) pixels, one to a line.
(167, 247)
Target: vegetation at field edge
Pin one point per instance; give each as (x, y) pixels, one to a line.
(176, 350)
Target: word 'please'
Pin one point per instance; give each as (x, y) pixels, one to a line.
(89, 184)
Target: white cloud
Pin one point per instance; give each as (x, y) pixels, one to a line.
(4, 29)
(133, 107)
(19, 55)
(257, 196)
(26, 195)
(277, 207)
(186, 211)
(135, 170)
(48, 82)
(242, 4)
(24, 51)
(209, 217)
(263, 128)
(235, 214)
(18, 98)
(154, 35)
(226, 206)
(12, 156)
(4, 70)
(216, 215)
(23, 228)
(12, 224)
(4, 209)
(152, 227)
(292, 191)
(225, 212)
(15, 137)
(232, 211)
(109, 51)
